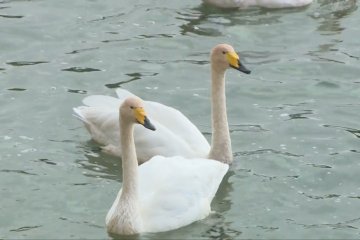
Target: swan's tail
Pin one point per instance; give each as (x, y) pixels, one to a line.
(107, 101)
(102, 101)
(78, 113)
(98, 121)
(122, 94)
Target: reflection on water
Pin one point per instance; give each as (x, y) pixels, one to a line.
(332, 11)
(330, 15)
(207, 20)
(99, 165)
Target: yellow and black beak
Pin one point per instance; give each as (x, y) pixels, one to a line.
(141, 118)
(234, 62)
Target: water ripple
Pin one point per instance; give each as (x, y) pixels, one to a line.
(266, 151)
(116, 40)
(107, 17)
(319, 165)
(261, 57)
(327, 84)
(62, 141)
(17, 171)
(77, 91)
(11, 16)
(198, 62)
(329, 60)
(243, 128)
(142, 36)
(98, 165)
(25, 63)
(327, 196)
(80, 69)
(247, 128)
(80, 184)
(17, 89)
(270, 178)
(25, 228)
(355, 197)
(160, 35)
(134, 76)
(354, 131)
(78, 222)
(222, 232)
(205, 15)
(301, 115)
(82, 50)
(47, 161)
(351, 56)
(345, 224)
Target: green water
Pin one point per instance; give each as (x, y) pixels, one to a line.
(294, 121)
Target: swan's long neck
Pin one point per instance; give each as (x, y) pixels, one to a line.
(129, 160)
(221, 142)
(126, 219)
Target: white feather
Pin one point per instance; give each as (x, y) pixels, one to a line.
(178, 194)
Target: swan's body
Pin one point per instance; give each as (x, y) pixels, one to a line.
(259, 3)
(163, 193)
(176, 135)
(174, 192)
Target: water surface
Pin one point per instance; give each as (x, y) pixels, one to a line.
(294, 121)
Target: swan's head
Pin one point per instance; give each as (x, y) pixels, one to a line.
(132, 111)
(223, 56)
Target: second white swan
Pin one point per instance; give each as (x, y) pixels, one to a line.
(175, 134)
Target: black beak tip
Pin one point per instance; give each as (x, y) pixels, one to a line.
(247, 71)
(152, 127)
(241, 68)
(147, 124)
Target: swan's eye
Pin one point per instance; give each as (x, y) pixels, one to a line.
(224, 52)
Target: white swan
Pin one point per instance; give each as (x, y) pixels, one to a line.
(260, 3)
(175, 134)
(163, 193)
